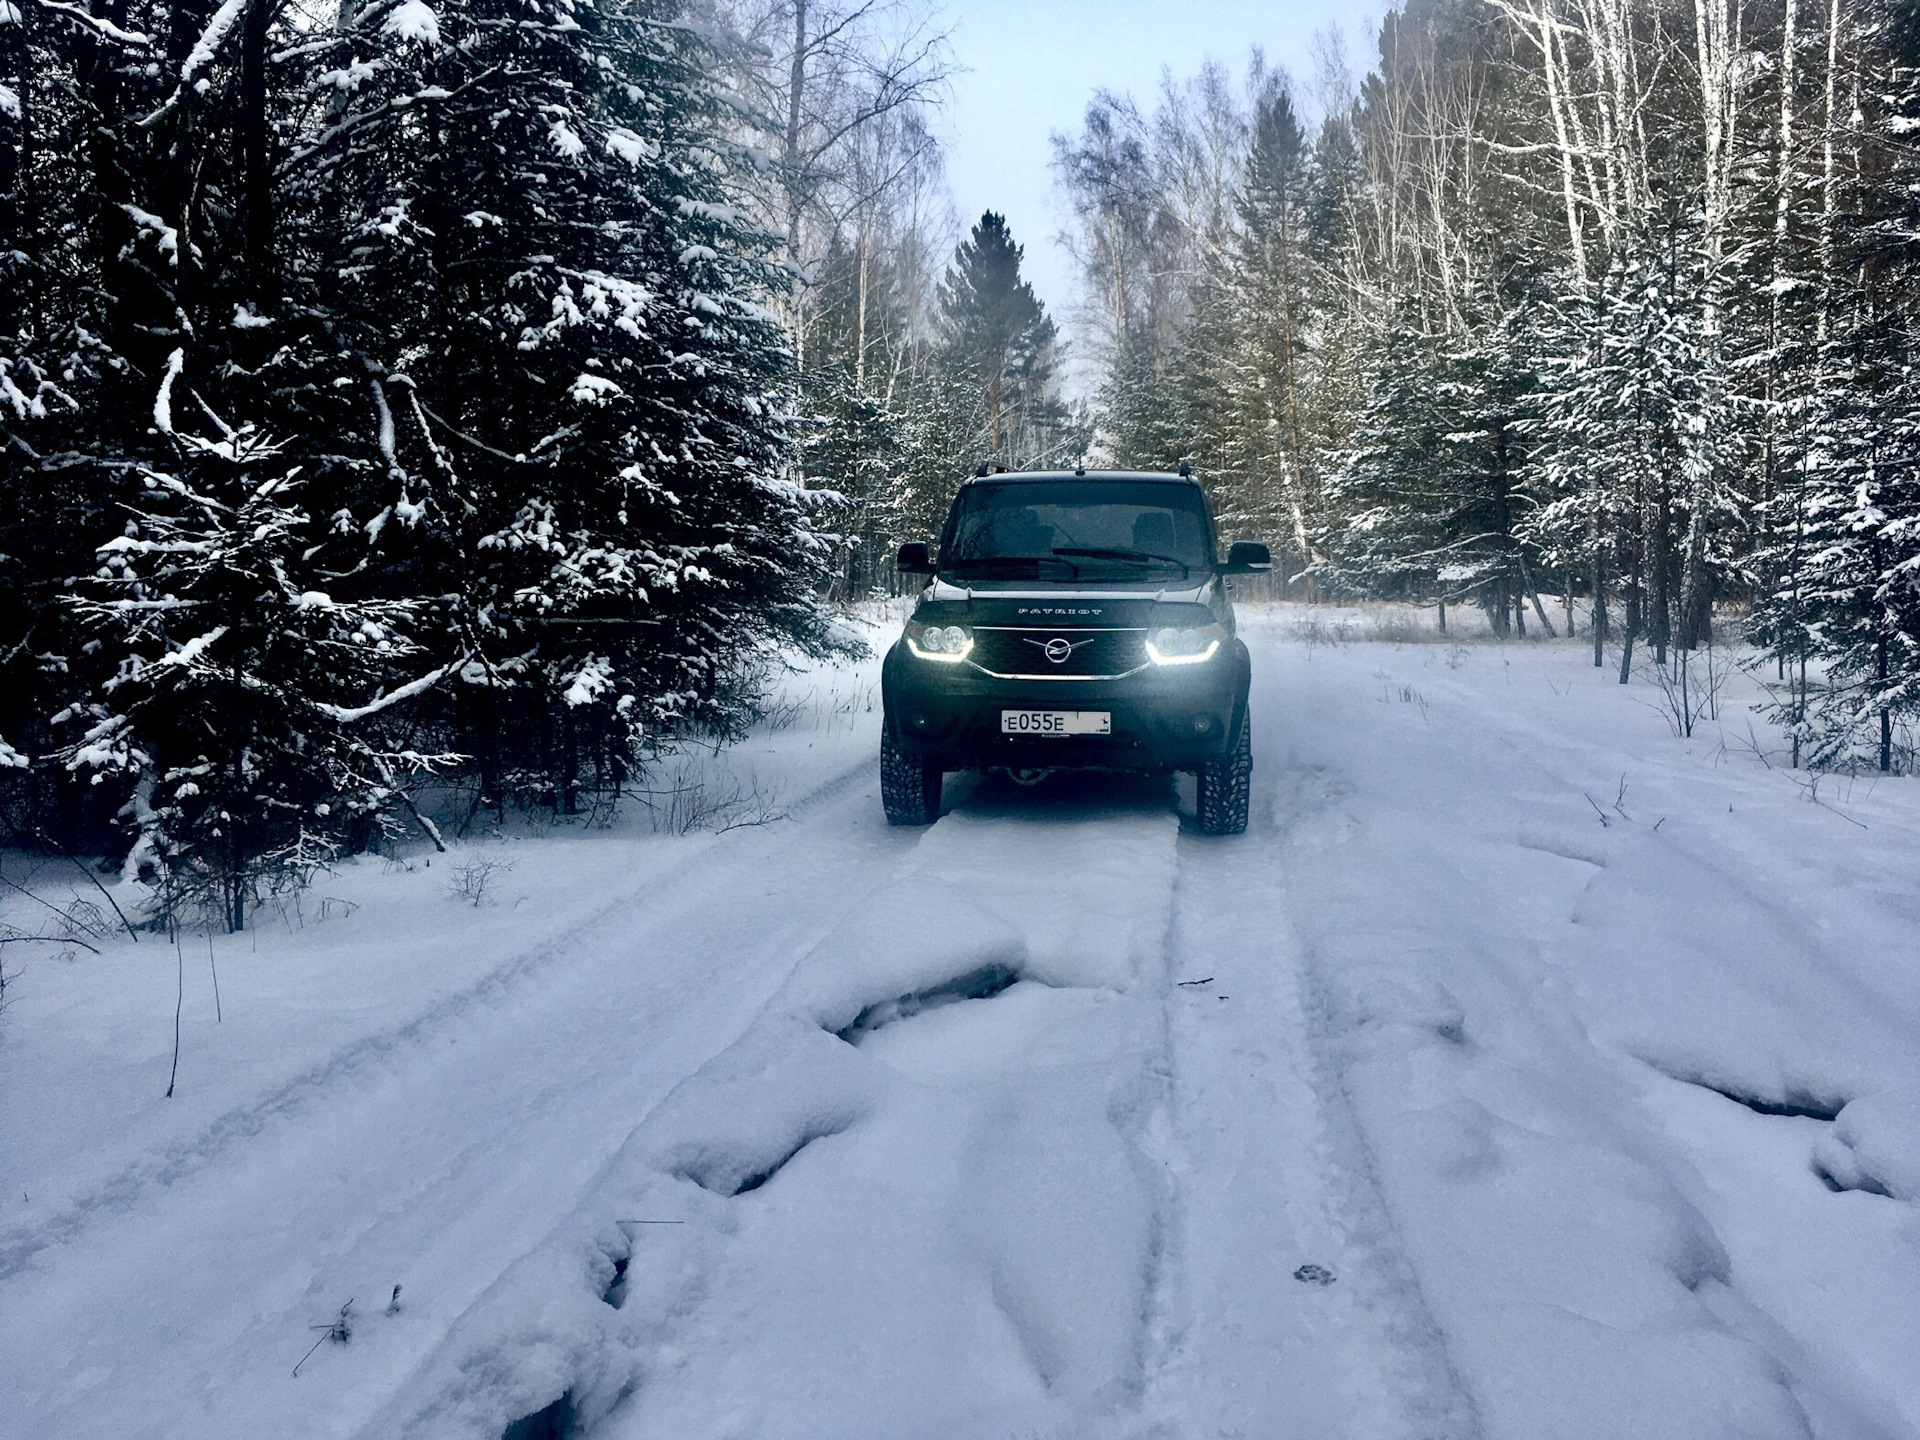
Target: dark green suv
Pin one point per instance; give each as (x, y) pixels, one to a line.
(1071, 620)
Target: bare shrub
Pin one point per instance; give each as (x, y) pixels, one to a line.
(474, 880)
(831, 709)
(1398, 692)
(1689, 686)
(1398, 627)
(687, 801)
(83, 919)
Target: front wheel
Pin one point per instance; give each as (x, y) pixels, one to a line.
(909, 785)
(1225, 786)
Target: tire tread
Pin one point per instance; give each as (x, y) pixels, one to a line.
(1224, 789)
(909, 786)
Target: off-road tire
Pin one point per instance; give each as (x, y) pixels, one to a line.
(909, 784)
(1225, 786)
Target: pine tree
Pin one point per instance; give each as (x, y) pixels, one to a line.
(1844, 611)
(1431, 499)
(1144, 404)
(458, 311)
(583, 402)
(1638, 444)
(245, 708)
(1271, 470)
(998, 338)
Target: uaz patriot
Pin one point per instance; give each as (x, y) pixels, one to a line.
(1071, 620)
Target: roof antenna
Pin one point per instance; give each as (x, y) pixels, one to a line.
(1081, 468)
(1186, 469)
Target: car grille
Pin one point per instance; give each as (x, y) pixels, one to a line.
(1094, 654)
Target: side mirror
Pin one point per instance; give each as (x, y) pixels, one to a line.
(1247, 557)
(914, 559)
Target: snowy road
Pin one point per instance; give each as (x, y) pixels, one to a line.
(1470, 1093)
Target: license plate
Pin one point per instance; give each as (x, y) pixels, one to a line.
(1056, 722)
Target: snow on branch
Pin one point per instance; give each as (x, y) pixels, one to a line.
(163, 402)
(426, 682)
(198, 58)
(191, 652)
(208, 45)
(98, 24)
(414, 20)
(169, 237)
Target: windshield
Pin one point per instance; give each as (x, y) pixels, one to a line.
(1109, 529)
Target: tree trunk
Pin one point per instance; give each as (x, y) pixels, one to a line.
(860, 337)
(1599, 609)
(1886, 715)
(1632, 604)
(1659, 629)
(22, 181)
(796, 89)
(1533, 593)
(256, 153)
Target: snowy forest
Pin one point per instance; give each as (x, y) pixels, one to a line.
(1595, 298)
(489, 389)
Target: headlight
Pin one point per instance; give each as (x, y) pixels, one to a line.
(1185, 647)
(947, 644)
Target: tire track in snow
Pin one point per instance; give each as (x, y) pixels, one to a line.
(442, 1170)
(187, 1156)
(949, 1198)
(1434, 1400)
(1276, 1174)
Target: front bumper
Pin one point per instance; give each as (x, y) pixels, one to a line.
(1171, 718)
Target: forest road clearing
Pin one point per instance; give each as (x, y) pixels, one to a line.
(1435, 1106)
(164, 1299)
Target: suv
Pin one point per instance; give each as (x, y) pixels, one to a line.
(1071, 621)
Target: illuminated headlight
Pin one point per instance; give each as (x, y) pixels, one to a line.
(948, 644)
(1185, 647)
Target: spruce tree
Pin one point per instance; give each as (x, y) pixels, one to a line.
(1431, 499)
(999, 340)
(583, 402)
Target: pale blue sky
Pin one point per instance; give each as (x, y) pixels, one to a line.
(1032, 65)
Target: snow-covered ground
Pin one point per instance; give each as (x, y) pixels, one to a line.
(1525, 1071)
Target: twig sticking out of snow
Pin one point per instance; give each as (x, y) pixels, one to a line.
(1810, 790)
(474, 880)
(214, 970)
(179, 998)
(339, 1330)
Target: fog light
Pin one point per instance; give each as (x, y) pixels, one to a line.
(1202, 724)
(919, 722)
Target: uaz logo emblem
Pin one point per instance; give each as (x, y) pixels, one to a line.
(1058, 649)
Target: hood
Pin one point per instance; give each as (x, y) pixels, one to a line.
(1065, 606)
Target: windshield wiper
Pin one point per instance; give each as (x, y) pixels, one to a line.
(1138, 557)
(1010, 561)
